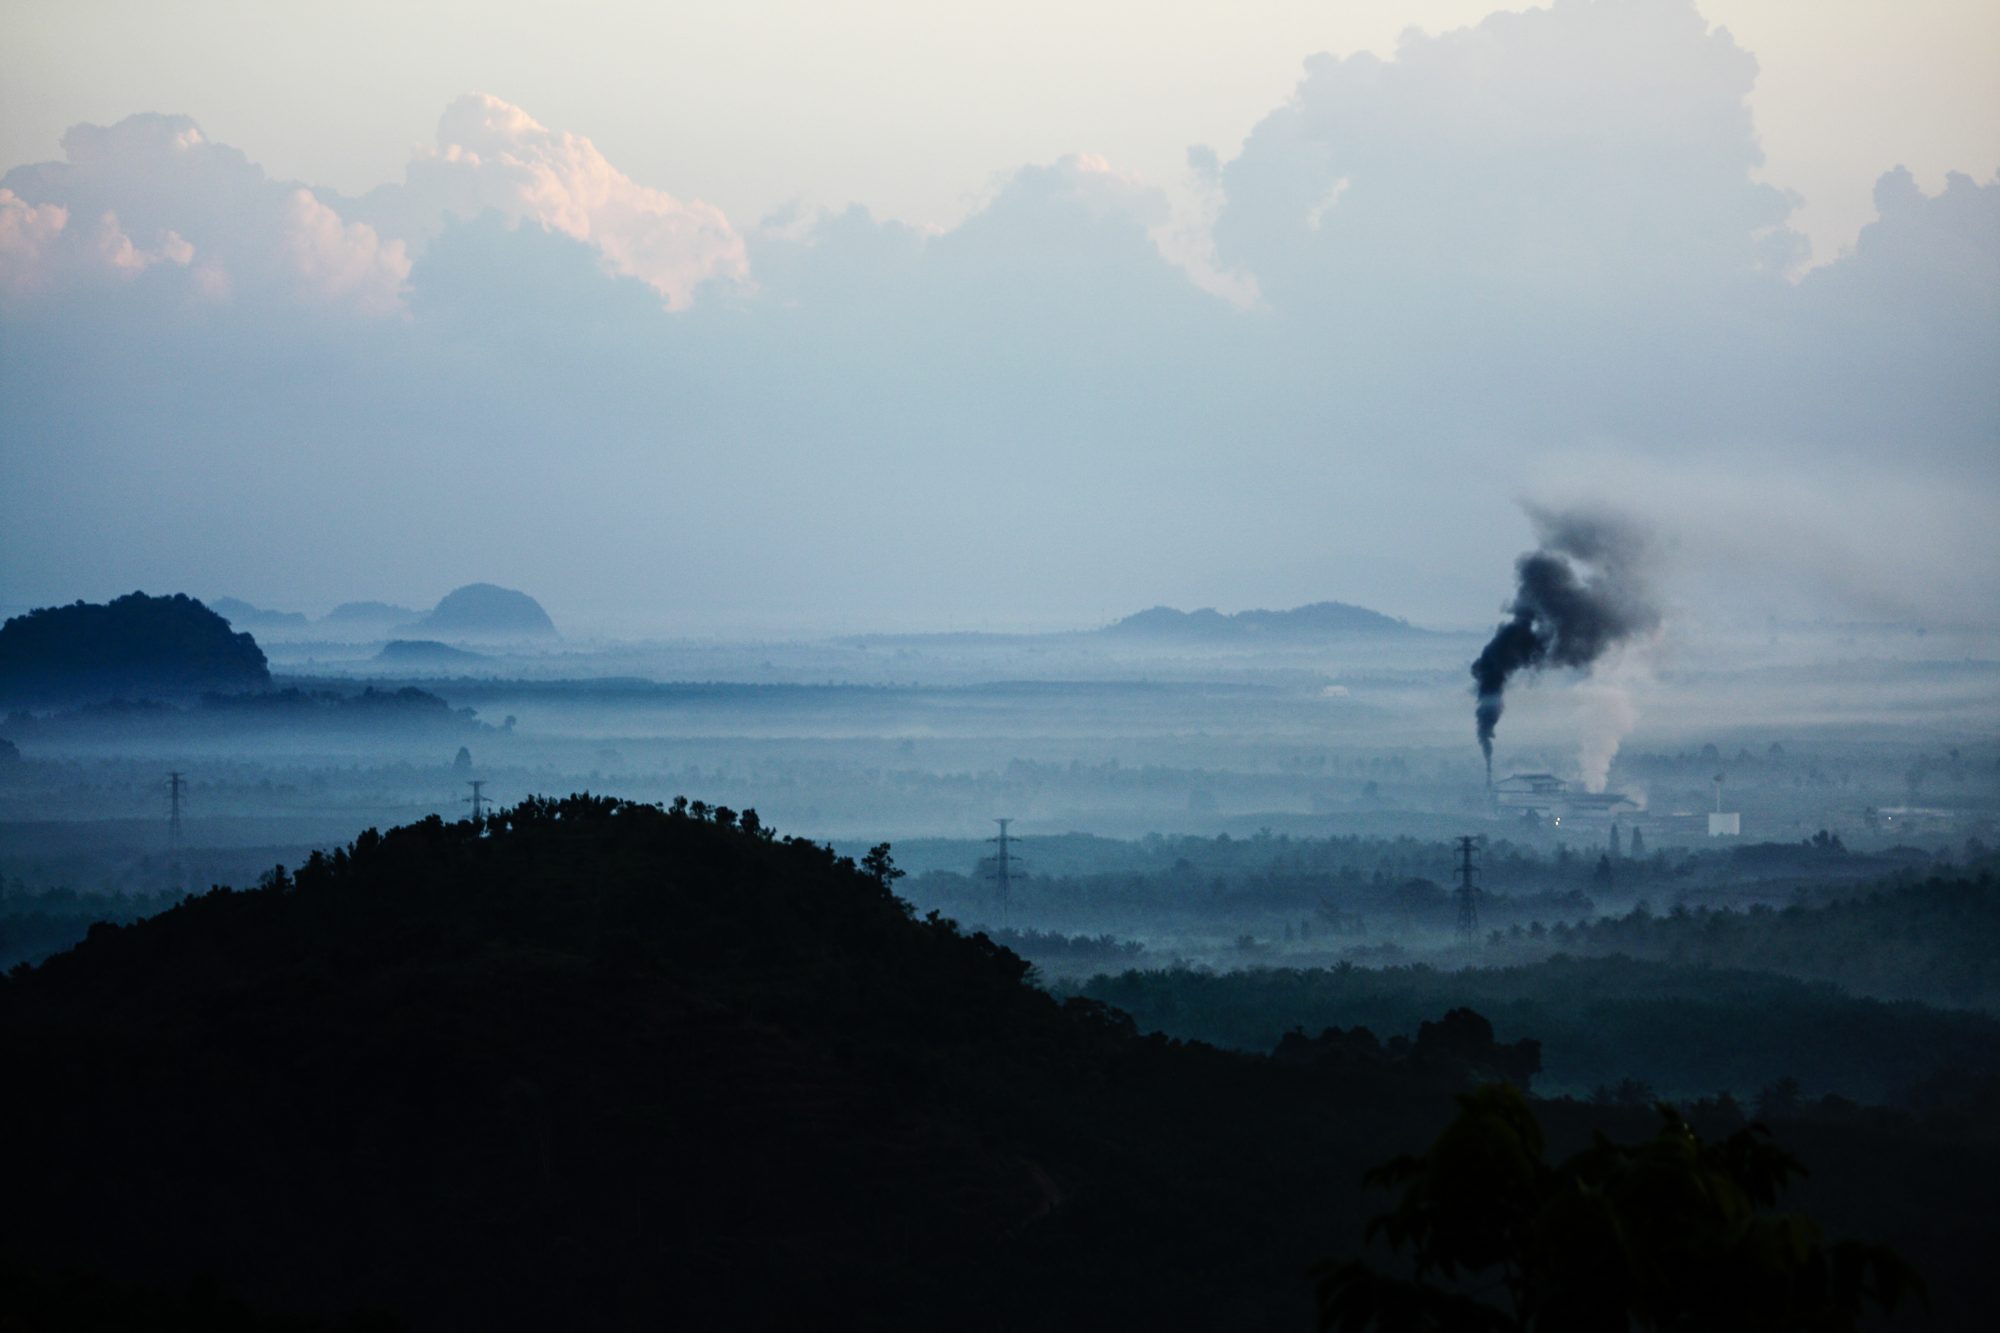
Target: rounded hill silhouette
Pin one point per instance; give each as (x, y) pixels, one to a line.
(133, 647)
(426, 654)
(487, 611)
(589, 1064)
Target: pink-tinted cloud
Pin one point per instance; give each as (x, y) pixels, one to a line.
(153, 190)
(494, 157)
(28, 233)
(41, 252)
(342, 263)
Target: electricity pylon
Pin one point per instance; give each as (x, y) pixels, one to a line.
(1001, 865)
(1468, 887)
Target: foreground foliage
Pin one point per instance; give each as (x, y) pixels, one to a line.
(1666, 1233)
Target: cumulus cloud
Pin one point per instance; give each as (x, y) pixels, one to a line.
(27, 234)
(1068, 243)
(40, 252)
(153, 192)
(493, 156)
(1596, 146)
(342, 263)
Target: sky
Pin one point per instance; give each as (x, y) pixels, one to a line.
(787, 316)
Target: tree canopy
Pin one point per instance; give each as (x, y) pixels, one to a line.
(1668, 1233)
(133, 646)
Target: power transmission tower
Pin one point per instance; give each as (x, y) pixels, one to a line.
(1468, 887)
(176, 789)
(478, 800)
(1001, 866)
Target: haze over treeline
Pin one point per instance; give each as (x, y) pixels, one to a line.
(1536, 255)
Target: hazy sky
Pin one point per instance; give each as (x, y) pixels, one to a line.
(610, 332)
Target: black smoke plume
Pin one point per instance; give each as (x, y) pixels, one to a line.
(1581, 593)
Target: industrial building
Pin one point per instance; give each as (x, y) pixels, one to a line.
(1544, 796)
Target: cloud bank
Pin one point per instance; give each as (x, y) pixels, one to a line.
(1530, 255)
(493, 157)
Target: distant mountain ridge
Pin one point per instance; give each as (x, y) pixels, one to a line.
(477, 611)
(241, 613)
(1316, 620)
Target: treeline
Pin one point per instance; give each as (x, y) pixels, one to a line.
(1077, 883)
(1681, 1031)
(1053, 948)
(1311, 906)
(407, 707)
(1936, 941)
(35, 924)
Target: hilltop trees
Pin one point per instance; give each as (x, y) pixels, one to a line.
(1666, 1233)
(135, 646)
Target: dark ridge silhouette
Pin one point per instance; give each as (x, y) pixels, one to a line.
(484, 611)
(136, 646)
(1318, 620)
(601, 1065)
(426, 653)
(242, 615)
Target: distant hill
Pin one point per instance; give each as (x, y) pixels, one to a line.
(486, 611)
(134, 647)
(426, 653)
(362, 614)
(369, 613)
(245, 616)
(1318, 620)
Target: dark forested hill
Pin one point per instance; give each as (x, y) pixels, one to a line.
(135, 647)
(596, 1065)
(601, 1066)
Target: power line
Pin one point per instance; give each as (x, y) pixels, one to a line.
(478, 800)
